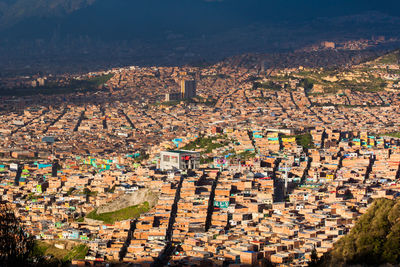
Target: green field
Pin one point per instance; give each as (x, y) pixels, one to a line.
(120, 215)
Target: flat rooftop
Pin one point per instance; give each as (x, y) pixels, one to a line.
(181, 151)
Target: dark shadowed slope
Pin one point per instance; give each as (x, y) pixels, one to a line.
(50, 34)
(374, 240)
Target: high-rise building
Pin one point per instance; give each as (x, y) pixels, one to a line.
(188, 89)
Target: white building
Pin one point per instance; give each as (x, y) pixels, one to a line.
(179, 160)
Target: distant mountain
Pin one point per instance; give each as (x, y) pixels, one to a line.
(373, 241)
(52, 35)
(14, 11)
(126, 18)
(314, 59)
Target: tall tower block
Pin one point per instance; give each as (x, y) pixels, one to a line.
(188, 89)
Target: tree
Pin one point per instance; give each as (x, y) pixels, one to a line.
(87, 191)
(373, 241)
(70, 191)
(266, 263)
(16, 245)
(314, 258)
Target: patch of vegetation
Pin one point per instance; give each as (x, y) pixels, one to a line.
(40, 248)
(315, 94)
(143, 156)
(222, 76)
(120, 215)
(206, 160)
(246, 155)
(330, 104)
(171, 103)
(394, 134)
(99, 80)
(252, 79)
(16, 244)
(206, 143)
(304, 140)
(262, 98)
(270, 85)
(363, 80)
(72, 189)
(229, 152)
(390, 58)
(31, 196)
(77, 253)
(46, 249)
(211, 102)
(219, 75)
(112, 189)
(53, 88)
(61, 256)
(201, 100)
(373, 241)
(307, 84)
(372, 85)
(87, 192)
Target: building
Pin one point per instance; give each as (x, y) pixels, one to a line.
(172, 96)
(179, 160)
(41, 81)
(188, 89)
(328, 45)
(38, 82)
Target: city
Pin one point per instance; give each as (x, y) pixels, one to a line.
(199, 133)
(203, 166)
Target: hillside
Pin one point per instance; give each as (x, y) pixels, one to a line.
(374, 240)
(13, 11)
(97, 34)
(131, 199)
(390, 58)
(131, 212)
(60, 251)
(127, 206)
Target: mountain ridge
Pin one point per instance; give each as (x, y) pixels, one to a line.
(13, 11)
(48, 34)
